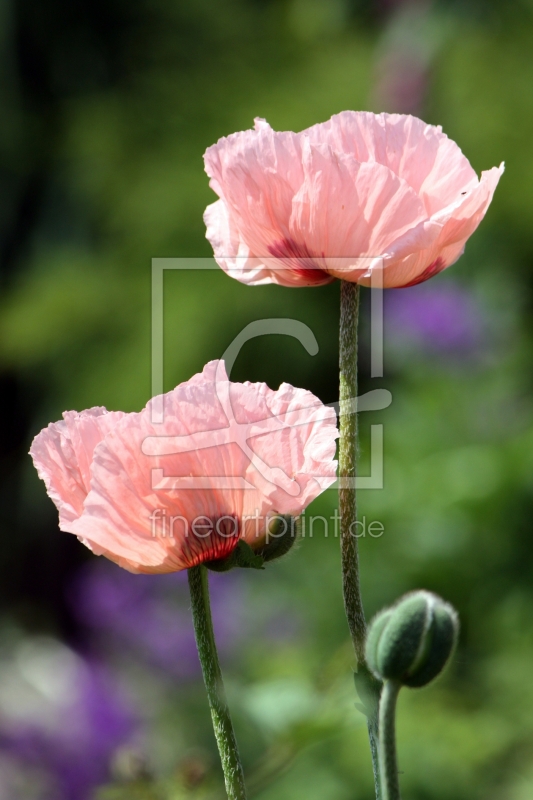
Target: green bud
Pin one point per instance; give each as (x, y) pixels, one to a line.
(282, 532)
(412, 641)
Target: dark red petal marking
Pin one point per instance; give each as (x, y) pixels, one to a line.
(300, 262)
(212, 540)
(437, 266)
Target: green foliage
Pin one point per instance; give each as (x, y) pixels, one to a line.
(122, 157)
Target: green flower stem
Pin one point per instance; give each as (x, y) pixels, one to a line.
(387, 741)
(353, 604)
(207, 651)
(348, 466)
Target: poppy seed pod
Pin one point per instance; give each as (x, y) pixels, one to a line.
(412, 641)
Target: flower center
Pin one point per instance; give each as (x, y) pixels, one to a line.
(209, 539)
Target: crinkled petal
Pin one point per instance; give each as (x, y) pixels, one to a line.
(457, 223)
(257, 174)
(86, 430)
(238, 452)
(355, 210)
(422, 155)
(379, 190)
(231, 252)
(62, 454)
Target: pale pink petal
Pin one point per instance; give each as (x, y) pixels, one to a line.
(149, 529)
(331, 207)
(353, 209)
(56, 464)
(236, 164)
(231, 252)
(460, 219)
(422, 155)
(254, 220)
(302, 447)
(86, 430)
(280, 445)
(458, 222)
(386, 190)
(62, 454)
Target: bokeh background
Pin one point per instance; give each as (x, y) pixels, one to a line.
(107, 108)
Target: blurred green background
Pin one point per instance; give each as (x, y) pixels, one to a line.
(107, 108)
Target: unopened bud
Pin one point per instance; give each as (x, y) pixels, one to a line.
(412, 641)
(282, 533)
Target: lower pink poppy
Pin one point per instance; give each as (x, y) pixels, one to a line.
(161, 496)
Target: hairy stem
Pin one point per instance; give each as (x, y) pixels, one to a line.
(222, 725)
(387, 741)
(353, 604)
(348, 466)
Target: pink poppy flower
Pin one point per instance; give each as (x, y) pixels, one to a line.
(300, 209)
(165, 496)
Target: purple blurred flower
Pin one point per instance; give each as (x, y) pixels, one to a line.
(443, 318)
(65, 718)
(150, 614)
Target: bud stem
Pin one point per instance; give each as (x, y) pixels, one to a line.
(387, 740)
(207, 652)
(353, 604)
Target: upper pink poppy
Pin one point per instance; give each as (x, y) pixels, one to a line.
(299, 209)
(164, 496)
